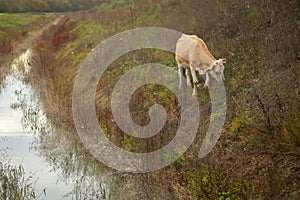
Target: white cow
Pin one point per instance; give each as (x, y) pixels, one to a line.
(192, 54)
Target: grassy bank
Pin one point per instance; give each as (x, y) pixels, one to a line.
(257, 156)
(14, 30)
(15, 27)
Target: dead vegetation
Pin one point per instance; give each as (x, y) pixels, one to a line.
(257, 156)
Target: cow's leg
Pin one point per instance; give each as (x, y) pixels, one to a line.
(206, 80)
(194, 76)
(188, 76)
(180, 74)
(195, 91)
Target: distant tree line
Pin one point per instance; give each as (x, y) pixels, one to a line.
(55, 5)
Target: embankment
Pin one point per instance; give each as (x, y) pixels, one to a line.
(258, 153)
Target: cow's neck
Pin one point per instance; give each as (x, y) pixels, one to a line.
(209, 62)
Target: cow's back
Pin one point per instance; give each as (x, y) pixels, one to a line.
(190, 48)
(202, 44)
(184, 48)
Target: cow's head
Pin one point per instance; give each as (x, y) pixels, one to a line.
(217, 70)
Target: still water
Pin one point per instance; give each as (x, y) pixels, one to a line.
(18, 139)
(29, 140)
(58, 164)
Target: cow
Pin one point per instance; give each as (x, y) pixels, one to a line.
(193, 55)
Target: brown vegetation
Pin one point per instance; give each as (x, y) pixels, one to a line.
(257, 156)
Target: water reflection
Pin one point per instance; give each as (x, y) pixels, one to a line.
(17, 103)
(55, 156)
(86, 178)
(43, 150)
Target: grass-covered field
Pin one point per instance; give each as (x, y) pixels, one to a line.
(257, 156)
(14, 20)
(14, 27)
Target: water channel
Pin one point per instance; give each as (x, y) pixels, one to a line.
(62, 169)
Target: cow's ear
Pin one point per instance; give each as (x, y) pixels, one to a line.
(223, 60)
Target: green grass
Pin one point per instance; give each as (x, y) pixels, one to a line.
(15, 20)
(15, 26)
(211, 183)
(88, 28)
(114, 4)
(151, 16)
(88, 35)
(10, 23)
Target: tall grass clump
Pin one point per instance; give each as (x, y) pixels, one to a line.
(14, 185)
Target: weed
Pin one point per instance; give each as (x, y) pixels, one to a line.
(14, 185)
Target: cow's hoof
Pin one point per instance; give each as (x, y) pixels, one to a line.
(206, 86)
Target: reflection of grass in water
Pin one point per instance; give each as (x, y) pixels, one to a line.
(3, 72)
(14, 185)
(86, 177)
(13, 182)
(74, 166)
(3, 153)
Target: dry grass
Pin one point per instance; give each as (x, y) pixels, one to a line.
(258, 153)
